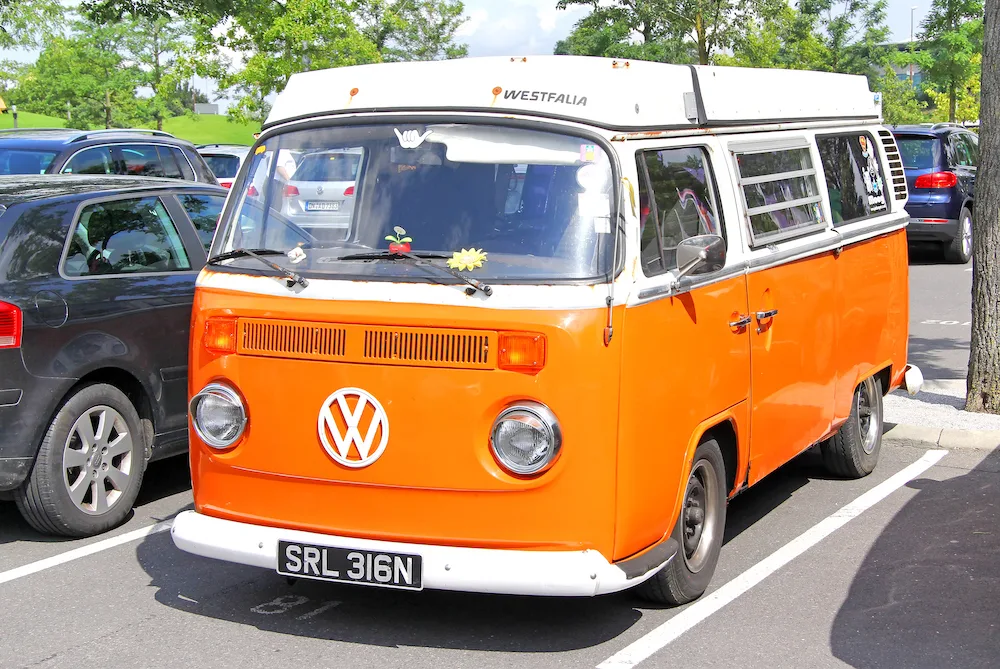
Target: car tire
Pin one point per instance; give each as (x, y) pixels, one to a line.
(698, 535)
(853, 452)
(959, 250)
(77, 488)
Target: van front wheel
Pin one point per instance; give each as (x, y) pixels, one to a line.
(853, 451)
(698, 532)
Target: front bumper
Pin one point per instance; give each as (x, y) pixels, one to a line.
(510, 572)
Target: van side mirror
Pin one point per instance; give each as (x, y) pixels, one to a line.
(701, 255)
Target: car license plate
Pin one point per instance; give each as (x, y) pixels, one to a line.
(349, 565)
(322, 206)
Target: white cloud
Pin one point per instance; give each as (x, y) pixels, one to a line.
(476, 18)
(518, 27)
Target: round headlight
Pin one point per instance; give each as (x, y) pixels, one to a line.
(218, 415)
(525, 439)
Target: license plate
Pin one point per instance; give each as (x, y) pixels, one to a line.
(349, 565)
(322, 206)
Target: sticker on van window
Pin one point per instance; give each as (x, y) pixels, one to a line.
(467, 259)
(588, 153)
(871, 176)
(411, 139)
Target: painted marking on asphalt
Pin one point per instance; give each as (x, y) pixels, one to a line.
(83, 551)
(669, 631)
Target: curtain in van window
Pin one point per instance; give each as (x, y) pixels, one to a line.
(854, 177)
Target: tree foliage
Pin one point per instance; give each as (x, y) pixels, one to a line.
(29, 22)
(953, 33)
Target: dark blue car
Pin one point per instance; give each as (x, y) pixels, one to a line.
(940, 164)
(96, 283)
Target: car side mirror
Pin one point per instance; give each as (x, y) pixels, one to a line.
(701, 255)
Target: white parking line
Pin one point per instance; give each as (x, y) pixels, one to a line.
(83, 551)
(669, 631)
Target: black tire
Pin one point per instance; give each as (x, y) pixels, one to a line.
(853, 451)
(956, 251)
(687, 576)
(45, 500)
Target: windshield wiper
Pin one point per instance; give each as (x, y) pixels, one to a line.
(418, 259)
(291, 278)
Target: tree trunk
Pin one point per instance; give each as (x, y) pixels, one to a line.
(107, 108)
(699, 28)
(984, 353)
(952, 95)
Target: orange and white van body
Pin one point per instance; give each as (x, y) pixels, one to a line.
(369, 404)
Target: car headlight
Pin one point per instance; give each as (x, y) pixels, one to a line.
(526, 438)
(218, 415)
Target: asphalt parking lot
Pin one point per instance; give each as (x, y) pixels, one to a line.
(895, 570)
(909, 582)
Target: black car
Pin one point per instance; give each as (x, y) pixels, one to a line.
(940, 163)
(151, 153)
(96, 283)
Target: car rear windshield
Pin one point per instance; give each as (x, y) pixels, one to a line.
(919, 152)
(499, 202)
(223, 166)
(25, 161)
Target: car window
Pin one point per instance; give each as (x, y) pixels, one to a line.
(780, 191)
(919, 152)
(854, 177)
(97, 160)
(223, 166)
(171, 168)
(204, 211)
(682, 205)
(187, 173)
(17, 161)
(328, 167)
(142, 160)
(123, 237)
(961, 152)
(972, 142)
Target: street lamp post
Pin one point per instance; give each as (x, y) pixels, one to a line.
(912, 10)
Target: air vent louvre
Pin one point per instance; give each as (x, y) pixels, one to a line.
(897, 175)
(283, 339)
(461, 349)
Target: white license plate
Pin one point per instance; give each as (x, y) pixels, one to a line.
(347, 565)
(322, 206)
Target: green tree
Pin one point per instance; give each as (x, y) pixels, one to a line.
(836, 36)
(967, 97)
(29, 22)
(900, 104)
(608, 31)
(953, 36)
(154, 45)
(412, 29)
(88, 72)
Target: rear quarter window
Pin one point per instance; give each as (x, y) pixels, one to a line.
(854, 179)
(34, 240)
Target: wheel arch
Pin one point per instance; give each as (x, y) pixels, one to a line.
(133, 389)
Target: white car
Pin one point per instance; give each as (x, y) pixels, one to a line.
(319, 196)
(224, 160)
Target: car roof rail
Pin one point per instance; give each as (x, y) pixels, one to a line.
(206, 146)
(13, 130)
(946, 124)
(87, 134)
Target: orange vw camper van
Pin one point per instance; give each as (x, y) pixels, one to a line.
(524, 325)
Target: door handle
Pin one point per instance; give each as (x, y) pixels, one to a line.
(741, 323)
(763, 315)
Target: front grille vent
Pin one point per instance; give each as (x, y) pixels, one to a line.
(433, 349)
(284, 339)
(897, 175)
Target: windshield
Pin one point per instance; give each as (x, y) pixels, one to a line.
(919, 153)
(223, 166)
(25, 161)
(494, 202)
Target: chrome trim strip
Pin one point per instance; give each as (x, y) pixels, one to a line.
(768, 146)
(689, 283)
(777, 176)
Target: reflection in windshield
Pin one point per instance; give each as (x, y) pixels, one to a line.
(536, 205)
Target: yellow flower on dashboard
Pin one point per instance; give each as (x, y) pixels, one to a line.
(467, 259)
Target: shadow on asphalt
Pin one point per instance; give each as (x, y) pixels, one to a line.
(925, 253)
(162, 479)
(926, 353)
(265, 600)
(928, 592)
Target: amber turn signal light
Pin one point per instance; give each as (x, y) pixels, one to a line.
(220, 335)
(521, 351)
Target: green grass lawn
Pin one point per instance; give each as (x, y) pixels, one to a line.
(201, 129)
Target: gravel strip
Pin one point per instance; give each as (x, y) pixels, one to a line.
(939, 405)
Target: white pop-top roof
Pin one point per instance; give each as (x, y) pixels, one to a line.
(614, 94)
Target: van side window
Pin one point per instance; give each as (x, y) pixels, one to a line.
(781, 194)
(683, 204)
(124, 237)
(854, 177)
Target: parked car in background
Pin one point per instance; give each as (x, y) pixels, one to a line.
(224, 160)
(319, 195)
(97, 278)
(940, 163)
(139, 152)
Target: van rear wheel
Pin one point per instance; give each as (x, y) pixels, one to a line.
(853, 451)
(698, 532)
(89, 468)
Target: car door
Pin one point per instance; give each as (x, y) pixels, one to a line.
(203, 211)
(790, 289)
(131, 268)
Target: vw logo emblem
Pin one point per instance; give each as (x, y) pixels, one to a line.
(351, 417)
(319, 190)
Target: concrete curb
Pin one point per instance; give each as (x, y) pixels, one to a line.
(979, 440)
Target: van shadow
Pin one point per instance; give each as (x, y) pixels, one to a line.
(390, 618)
(928, 592)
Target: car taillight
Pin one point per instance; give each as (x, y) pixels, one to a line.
(936, 180)
(252, 191)
(226, 184)
(10, 326)
(290, 191)
(349, 191)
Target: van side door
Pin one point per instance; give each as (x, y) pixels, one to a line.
(791, 290)
(686, 347)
